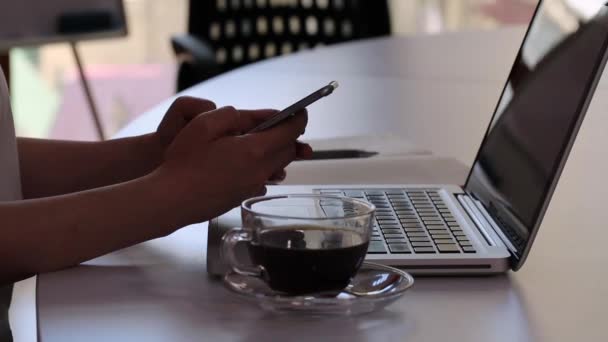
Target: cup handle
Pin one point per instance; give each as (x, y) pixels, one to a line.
(229, 241)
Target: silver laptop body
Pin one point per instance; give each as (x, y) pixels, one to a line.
(488, 226)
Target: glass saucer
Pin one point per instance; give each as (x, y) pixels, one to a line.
(374, 287)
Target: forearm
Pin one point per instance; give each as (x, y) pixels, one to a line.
(48, 234)
(53, 167)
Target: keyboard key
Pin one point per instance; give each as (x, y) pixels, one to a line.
(468, 249)
(414, 229)
(436, 226)
(431, 217)
(390, 226)
(424, 250)
(405, 212)
(448, 248)
(390, 221)
(419, 239)
(421, 244)
(398, 207)
(412, 224)
(416, 234)
(392, 231)
(459, 233)
(448, 241)
(409, 220)
(393, 235)
(441, 236)
(374, 192)
(385, 217)
(376, 238)
(432, 222)
(376, 247)
(409, 216)
(354, 193)
(396, 240)
(462, 238)
(426, 210)
(399, 248)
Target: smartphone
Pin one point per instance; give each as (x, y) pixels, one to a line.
(296, 107)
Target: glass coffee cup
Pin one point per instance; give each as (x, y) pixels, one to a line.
(302, 244)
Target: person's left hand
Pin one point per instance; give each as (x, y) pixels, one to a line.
(181, 112)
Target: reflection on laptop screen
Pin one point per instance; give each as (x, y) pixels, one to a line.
(541, 107)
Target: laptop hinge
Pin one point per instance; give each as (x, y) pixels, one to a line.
(484, 221)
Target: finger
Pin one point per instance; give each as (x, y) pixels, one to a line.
(280, 159)
(220, 122)
(281, 135)
(278, 176)
(253, 118)
(189, 107)
(303, 151)
(260, 191)
(249, 119)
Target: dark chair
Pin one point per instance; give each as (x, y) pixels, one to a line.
(226, 34)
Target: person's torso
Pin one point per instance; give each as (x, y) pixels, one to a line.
(10, 186)
(10, 180)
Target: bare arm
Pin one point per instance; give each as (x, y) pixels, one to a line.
(206, 171)
(47, 234)
(54, 167)
(51, 167)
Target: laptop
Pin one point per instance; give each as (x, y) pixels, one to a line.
(488, 226)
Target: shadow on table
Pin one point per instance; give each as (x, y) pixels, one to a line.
(179, 302)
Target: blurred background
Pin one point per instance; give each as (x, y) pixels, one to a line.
(129, 75)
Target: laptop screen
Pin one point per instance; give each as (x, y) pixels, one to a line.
(538, 115)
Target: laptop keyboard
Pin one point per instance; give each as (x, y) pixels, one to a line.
(411, 221)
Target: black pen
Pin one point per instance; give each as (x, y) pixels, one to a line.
(341, 154)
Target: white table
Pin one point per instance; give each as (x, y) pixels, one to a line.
(438, 92)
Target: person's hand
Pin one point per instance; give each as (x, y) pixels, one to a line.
(179, 114)
(186, 108)
(214, 167)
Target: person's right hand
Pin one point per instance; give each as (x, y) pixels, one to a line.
(214, 167)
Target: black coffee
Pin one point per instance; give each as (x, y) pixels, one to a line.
(301, 260)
